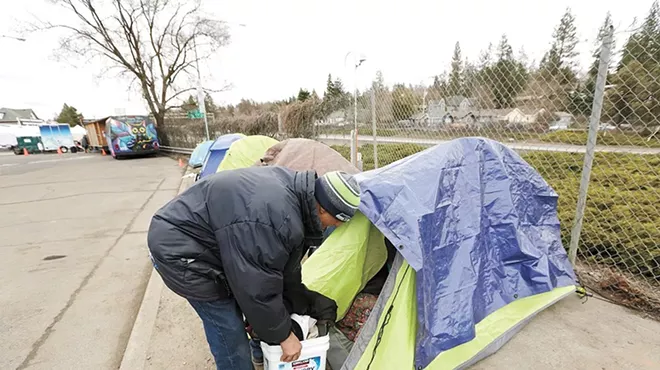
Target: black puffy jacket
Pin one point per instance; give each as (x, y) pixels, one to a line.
(241, 233)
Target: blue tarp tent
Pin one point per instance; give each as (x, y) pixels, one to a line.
(217, 153)
(480, 254)
(199, 154)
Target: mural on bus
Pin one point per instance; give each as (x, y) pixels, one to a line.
(132, 134)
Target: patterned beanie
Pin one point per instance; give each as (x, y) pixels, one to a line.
(338, 193)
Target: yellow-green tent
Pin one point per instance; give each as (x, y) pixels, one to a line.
(245, 152)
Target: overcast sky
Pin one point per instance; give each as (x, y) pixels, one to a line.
(288, 44)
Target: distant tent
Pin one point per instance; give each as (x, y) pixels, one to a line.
(199, 154)
(217, 153)
(245, 152)
(306, 154)
(78, 132)
(7, 137)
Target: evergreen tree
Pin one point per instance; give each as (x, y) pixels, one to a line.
(566, 40)
(581, 100)
(504, 49)
(404, 102)
(69, 115)
(329, 86)
(644, 45)
(303, 95)
(209, 104)
(508, 76)
(338, 88)
(635, 96)
(560, 62)
(602, 32)
(456, 74)
(189, 104)
(486, 57)
(335, 98)
(379, 82)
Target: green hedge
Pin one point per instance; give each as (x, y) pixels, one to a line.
(622, 218)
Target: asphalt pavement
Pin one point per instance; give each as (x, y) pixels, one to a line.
(73, 246)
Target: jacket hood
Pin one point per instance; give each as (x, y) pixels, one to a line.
(304, 188)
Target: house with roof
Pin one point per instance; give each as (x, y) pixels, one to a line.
(10, 116)
(455, 103)
(336, 118)
(523, 115)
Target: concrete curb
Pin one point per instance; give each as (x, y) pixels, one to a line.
(135, 354)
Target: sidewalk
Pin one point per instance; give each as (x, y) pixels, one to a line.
(572, 334)
(568, 335)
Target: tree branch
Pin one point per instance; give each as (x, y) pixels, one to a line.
(148, 39)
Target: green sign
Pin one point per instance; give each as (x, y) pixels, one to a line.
(195, 114)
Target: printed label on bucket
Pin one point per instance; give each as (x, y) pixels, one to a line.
(312, 363)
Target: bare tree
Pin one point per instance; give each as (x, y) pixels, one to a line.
(152, 41)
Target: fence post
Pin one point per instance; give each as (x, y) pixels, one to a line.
(280, 128)
(594, 122)
(373, 126)
(353, 149)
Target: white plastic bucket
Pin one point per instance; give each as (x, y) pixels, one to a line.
(312, 357)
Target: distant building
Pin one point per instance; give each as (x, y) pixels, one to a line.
(564, 118)
(459, 109)
(523, 115)
(492, 115)
(16, 116)
(336, 118)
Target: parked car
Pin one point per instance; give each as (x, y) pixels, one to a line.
(606, 127)
(558, 126)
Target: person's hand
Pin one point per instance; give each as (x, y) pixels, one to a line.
(291, 348)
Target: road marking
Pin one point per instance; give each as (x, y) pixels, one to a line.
(44, 161)
(58, 160)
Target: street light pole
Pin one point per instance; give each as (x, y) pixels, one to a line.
(201, 97)
(357, 62)
(200, 93)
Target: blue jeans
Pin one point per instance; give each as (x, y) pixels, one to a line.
(225, 333)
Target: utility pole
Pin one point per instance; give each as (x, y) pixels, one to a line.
(358, 60)
(201, 103)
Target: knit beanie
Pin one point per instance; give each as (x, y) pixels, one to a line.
(338, 193)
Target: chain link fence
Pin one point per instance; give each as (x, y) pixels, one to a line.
(594, 138)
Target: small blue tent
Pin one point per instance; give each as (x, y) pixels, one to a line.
(199, 154)
(217, 153)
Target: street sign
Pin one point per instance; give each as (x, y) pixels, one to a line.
(195, 113)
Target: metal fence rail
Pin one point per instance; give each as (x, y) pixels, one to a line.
(171, 149)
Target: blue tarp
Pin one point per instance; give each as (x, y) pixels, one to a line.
(480, 227)
(199, 154)
(217, 153)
